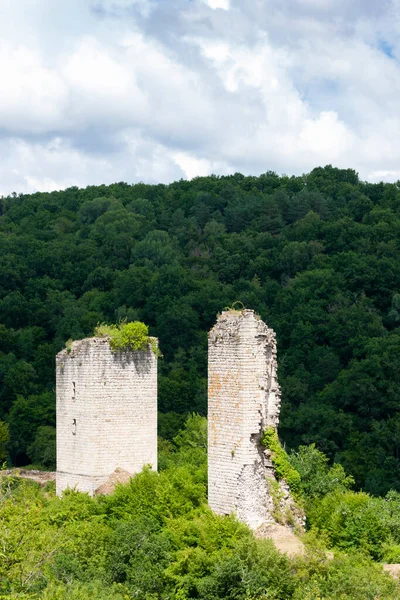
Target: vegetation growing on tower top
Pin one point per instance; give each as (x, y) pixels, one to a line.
(237, 306)
(127, 336)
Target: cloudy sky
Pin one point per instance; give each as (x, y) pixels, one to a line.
(96, 91)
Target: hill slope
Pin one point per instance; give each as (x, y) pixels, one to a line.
(317, 256)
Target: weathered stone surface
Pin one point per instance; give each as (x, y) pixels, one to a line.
(108, 487)
(243, 399)
(106, 413)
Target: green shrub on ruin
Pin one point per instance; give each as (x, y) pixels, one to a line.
(280, 460)
(127, 336)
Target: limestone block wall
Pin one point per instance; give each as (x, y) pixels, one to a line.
(243, 399)
(106, 413)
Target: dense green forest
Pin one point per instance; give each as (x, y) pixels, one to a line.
(317, 256)
(156, 539)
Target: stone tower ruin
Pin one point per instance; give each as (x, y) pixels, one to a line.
(106, 413)
(243, 399)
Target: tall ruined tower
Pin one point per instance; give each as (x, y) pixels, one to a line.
(243, 399)
(106, 413)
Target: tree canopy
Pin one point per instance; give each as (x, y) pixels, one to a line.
(317, 256)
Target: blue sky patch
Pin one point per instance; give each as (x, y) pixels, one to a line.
(386, 48)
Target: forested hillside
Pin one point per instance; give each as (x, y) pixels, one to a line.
(317, 256)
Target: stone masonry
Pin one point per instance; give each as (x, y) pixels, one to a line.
(243, 399)
(106, 413)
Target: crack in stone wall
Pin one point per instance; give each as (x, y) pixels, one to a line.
(106, 413)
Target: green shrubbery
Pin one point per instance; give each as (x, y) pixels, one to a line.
(349, 576)
(346, 520)
(156, 539)
(316, 477)
(357, 521)
(351, 520)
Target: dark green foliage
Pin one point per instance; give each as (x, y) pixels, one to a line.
(138, 554)
(43, 450)
(26, 416)
(169, 424)
(4, 436)
(317, 256)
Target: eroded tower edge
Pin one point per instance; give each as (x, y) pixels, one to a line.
(243, 400)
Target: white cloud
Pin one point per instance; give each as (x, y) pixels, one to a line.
(224, 4)
(191, 166)
(32, 96)
(199, 167)
(376, 176)
(325, 136)
(104, 90)
(324, 4)
(28, 167)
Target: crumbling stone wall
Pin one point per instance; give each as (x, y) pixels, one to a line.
(243, 399)
(106, 413)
